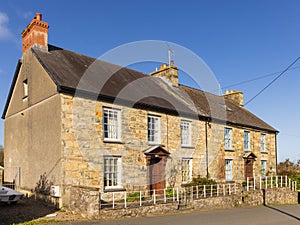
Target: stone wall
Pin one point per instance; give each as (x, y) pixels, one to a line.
(274, 196)
(85, 201)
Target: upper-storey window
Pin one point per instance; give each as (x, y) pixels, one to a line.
(263, 143)
(25, 88)
(246, 140)
(153, 129)
(111, 124)
(186, 133)
(228, 138)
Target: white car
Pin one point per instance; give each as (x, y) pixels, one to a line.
(9, 196)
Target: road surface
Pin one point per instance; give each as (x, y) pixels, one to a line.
(261, 215)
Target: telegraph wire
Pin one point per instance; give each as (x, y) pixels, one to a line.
(256, 78)
(276, 78)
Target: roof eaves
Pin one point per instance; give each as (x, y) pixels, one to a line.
(18, 67)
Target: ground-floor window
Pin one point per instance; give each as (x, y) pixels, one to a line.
(112, 172)
(263, 168)
(186, 169)
(228, 169)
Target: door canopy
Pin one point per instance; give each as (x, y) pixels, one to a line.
(156, 150)
(249, 155)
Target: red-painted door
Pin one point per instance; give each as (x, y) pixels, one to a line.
(157, 174)
(249, 168)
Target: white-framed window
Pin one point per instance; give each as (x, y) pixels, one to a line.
(25, 88)
(228, 169)
(112, 172)
(186, 170)
(111, 124)
(263, 143)
(153, 129)
(263, 168)
(246, 140)
(228, 138)
(186, 133)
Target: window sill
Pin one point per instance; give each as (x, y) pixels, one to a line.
(114, 189)
(113, 141)
(188, 146)
(247, 150)
(264, 152)
(229, 150)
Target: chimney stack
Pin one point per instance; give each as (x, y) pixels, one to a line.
(235, 96)
(169, 72)
(35, 34)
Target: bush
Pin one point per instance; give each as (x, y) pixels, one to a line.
(200, 181)
(43, 186)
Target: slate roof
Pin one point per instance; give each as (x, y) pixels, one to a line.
(74, 73)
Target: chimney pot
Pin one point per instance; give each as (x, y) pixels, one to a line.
(38, 16)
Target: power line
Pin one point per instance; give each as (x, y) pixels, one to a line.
(276, 78)
(256, 78)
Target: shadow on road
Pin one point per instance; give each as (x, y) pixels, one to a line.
(283, 212)
(23, 211)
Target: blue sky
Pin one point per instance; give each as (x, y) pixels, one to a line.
(238, 40)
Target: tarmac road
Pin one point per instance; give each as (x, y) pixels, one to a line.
(261, 215)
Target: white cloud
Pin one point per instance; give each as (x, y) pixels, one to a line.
(4, 30)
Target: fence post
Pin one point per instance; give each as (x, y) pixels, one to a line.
(165, 197)
(266, 183)
(224, 189)
(260, 183)
(197, 192)
(280, 181)
(154, 197)
(235, 188)
(229, 189)
(254, 183)
(125, 199)
(140, 198)
(247, 183)
(192, 193)
(211, 190)
(177, 195)
(286, 181)
(204, 191)
(271, 181)
(173, 193)
(289, 183)
(276, 181)
(217, 189)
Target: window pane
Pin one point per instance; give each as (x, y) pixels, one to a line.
(111, 124)
(153, 129)
(111, 173)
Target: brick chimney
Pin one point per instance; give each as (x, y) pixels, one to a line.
(170, 73)
(35, 34)
(235, 96)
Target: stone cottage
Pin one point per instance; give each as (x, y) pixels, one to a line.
(67, 116)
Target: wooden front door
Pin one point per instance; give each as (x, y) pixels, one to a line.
(249, 168)
(157, 174)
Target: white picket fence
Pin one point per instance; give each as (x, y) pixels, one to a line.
(254, 183)
(126, 199)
